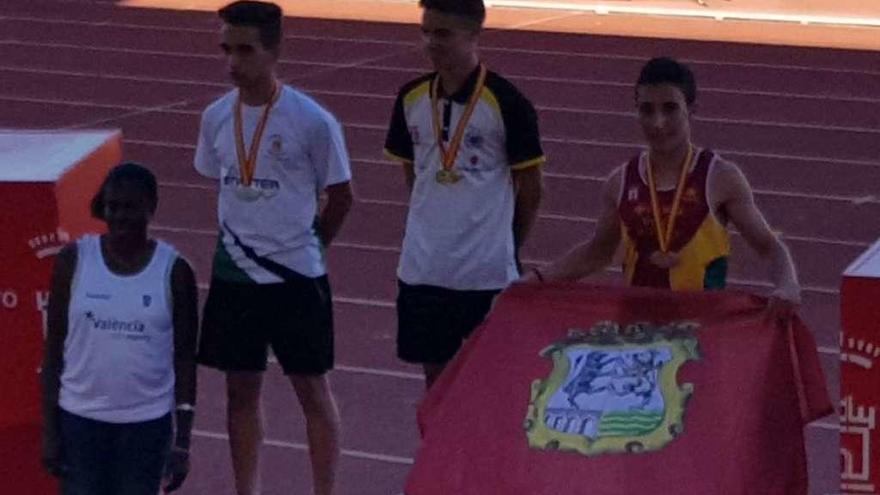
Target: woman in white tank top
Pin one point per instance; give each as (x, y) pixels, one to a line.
(120, 351)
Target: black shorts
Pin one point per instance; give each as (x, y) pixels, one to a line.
(241, 321)
(433, 321)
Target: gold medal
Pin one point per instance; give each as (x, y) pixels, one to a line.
(663, 258)
(247, 159)
(446, 175)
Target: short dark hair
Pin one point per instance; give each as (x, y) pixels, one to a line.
(265, 16)
(666, 70)
(472, 10)
(132, 173)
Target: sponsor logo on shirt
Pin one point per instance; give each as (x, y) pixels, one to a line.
(276, 147)
(473, 138)
(129, 330)
(147, 300)
(267, 186)
(633, 194)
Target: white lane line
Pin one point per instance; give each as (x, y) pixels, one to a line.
(610, 144)
(356, 301)
(849, 200)
(381, 372)
(485, 39)
(414, 71)
(362, 301)
(358, 454)
(487, 47)
(389, 98)
(601, 178)
(381, 128)
(548, 216)
(717, 120)
(734, 281)
(189, 101)
(72, 103)
(211, 187)
(362, 370)
(768, 192)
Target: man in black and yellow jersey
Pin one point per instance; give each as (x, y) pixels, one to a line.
(471, 154)
(670, 205)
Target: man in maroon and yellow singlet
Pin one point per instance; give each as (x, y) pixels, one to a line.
(671, 204)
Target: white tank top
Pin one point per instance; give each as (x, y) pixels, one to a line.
(119, 351)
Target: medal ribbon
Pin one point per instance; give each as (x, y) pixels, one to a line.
(247, 159)
(449, 155)
(664, 238)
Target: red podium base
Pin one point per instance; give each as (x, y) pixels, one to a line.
(860, 375)
(47, 180)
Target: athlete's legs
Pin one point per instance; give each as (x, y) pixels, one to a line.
(245, 424)
(322, 427)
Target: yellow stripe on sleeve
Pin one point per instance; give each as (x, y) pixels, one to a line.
(414, 94)
(396, 158)
(534, 162)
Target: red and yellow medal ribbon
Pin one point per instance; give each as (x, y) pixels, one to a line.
(664, 236)
(448, 155)
(247, 159)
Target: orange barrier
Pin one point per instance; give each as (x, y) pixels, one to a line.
(860, 375)
(850, 24)
(47, 180)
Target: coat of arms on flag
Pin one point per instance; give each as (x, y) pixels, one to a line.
(613, 389)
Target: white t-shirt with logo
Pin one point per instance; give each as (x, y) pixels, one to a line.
(302, 151)
(460, 236)
(119, 350)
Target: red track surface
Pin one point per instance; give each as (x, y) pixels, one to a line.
(803, 123)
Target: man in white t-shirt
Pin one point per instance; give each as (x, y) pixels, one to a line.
(471, 152)
(273, 150)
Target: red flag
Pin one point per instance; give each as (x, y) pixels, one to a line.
(572, 389)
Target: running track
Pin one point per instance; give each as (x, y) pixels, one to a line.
(803, 123)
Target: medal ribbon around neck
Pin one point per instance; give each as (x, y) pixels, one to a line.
(449, 154)
(247, 159)
(664, 238)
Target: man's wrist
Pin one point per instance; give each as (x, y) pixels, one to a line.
(182, 441)
(184, 415)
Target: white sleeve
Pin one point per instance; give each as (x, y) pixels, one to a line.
(329, 154)
(206, 161)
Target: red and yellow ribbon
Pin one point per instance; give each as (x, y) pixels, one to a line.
(448, 155)
(664, 236)
(247, 159)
